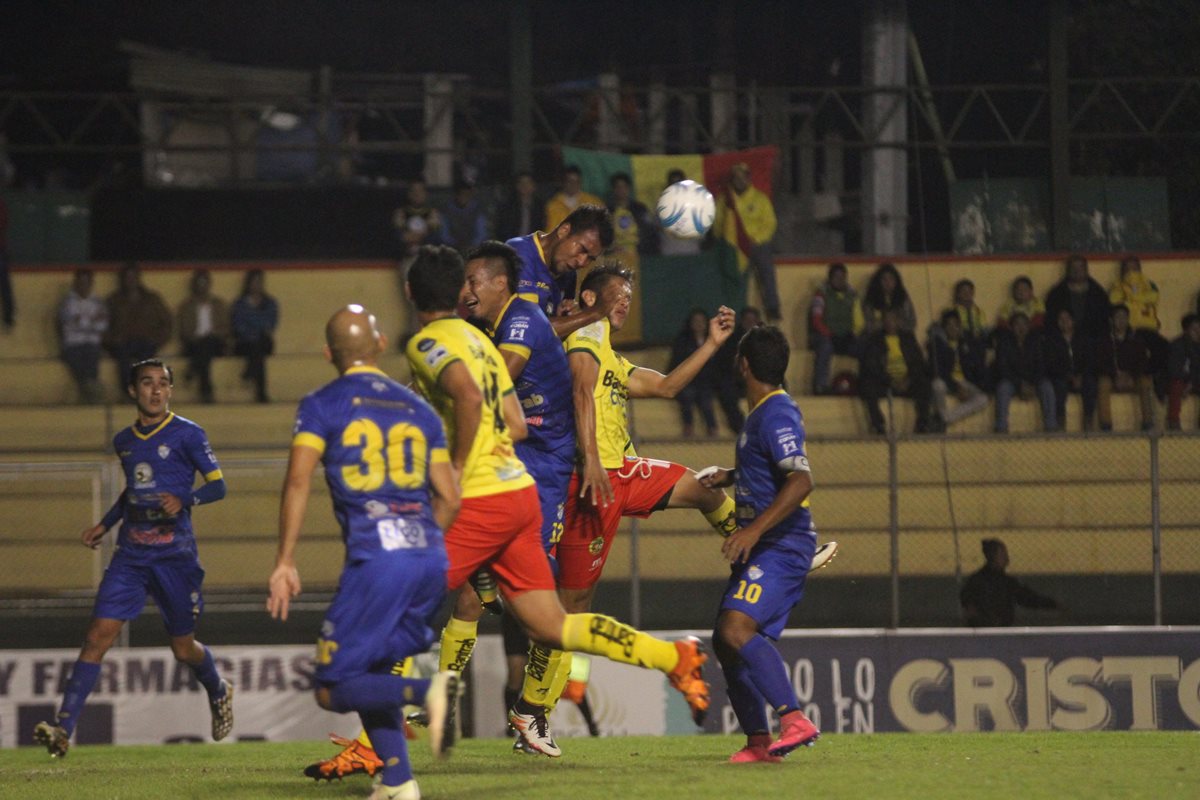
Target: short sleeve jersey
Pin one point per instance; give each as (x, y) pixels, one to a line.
(536, 283)
(162, 459)
(377, 440)
(611, 393)
(770, 448)
(544, 385)
(491, 466)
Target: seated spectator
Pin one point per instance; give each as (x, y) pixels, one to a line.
(974, 323)
(1070, 359)
(139, 322)
(416, 222)
(699, 392)
(1140, 295)
(886, 292)
(255, 316)
(204, 331)
(959, 367)
(1083, 297)
(1124, 366)
(834, 322)
(726, 378)
(82, 321)
(464, 223)
(1021, 298)
(523, 213)
(892, 364)
(634, 231)
(1184, 365)
(1021, 372)
(571, 197)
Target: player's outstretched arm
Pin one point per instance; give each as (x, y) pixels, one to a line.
(445, 497)
(651, 383)
(585, 371)
(284, 583)
(796, 487)
(457, 382)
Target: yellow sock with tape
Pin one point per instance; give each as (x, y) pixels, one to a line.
(458, 642)
(605, 636)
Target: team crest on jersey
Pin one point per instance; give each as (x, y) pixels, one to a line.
(596, 546)
(754, 573)
(163, 451)
(425, 345)
(143, 475)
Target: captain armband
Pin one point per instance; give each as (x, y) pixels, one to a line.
(794, 464)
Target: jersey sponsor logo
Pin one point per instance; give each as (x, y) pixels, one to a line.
(143, 476)
(754, 573)
(425, 345)
(163, 451)
(618, 390)
(533, 401)
(401, 534)
(433, 357)
(151, 536)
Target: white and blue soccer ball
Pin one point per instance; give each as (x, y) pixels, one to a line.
(686, 210)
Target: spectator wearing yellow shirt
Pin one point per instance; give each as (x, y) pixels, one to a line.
(974, 324)
(570, 198)
(1139, 294)
(746, 219)
(1021, 298)
(892, 363)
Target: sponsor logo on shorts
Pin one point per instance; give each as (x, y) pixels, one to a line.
(596, 546)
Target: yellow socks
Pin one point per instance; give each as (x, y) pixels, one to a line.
(605, 636)
(458, 642)
(540, 673)
(724, 519)
(560, 680)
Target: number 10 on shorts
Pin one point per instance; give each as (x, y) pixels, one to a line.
(750, 592)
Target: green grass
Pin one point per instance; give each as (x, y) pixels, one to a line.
(1025, 765)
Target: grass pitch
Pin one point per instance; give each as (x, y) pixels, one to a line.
(1026, 765)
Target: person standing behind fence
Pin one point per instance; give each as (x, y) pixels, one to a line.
(990, 596)
(255, 317)
(139, 322)
(82, 321)
(204, 331)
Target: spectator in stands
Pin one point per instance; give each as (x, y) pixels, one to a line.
(255, 317)
(974, 323)
(990, 596)
(569, 198)
(726, 377)
(1021, 372)
(834, 322)
(892, 364)
(1083, 297)
(203, 330)
(1021, 298)
(464, 222)
(82, 321)
(139, 322)
(959, 367)
(1140, 295)
(698, 393)
(886, 292)
(1070, 360)
(746, 219)
(523, 213)
(633, 224)
(416, 222)
(669, 245)
(1124, 365)
(1184, 364)
(8, 307)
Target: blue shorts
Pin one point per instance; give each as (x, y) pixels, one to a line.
(174, 582)
(552, 474)
(766, 586)
(382, 613)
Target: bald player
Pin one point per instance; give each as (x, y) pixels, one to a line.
(389, 475)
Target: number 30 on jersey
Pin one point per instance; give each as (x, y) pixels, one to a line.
(403, 460)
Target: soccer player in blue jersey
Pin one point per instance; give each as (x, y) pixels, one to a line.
(549, 262)
(771, 552)
(388, 470)
(160, 456)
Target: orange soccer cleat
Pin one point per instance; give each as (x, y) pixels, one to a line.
(688, 676)
(354, 758)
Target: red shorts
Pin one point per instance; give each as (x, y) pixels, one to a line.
(504, 533)
(588, 530)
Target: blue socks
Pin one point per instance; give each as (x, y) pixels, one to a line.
(765, 670)
(206, 673)
(746, 701)
(79, 686)
(386, 729)
(377, 692)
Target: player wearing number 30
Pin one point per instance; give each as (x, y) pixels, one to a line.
(388, 470)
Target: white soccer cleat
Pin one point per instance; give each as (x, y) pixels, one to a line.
(222, 713)
(534, 731)
(823, 555)
(441, 708)
(405, 791)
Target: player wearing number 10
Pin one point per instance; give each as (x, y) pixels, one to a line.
(388, 471)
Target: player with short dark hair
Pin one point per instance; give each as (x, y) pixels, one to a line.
(160, 456)
(386, 463)
(770, 554)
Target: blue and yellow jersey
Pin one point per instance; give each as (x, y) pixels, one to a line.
(770, 448)
(544, 385)
(611, 394)
(163, 458)
(377, 440)
(492, 465)
(536, 283)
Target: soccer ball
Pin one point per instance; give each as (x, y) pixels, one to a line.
(686, 210)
